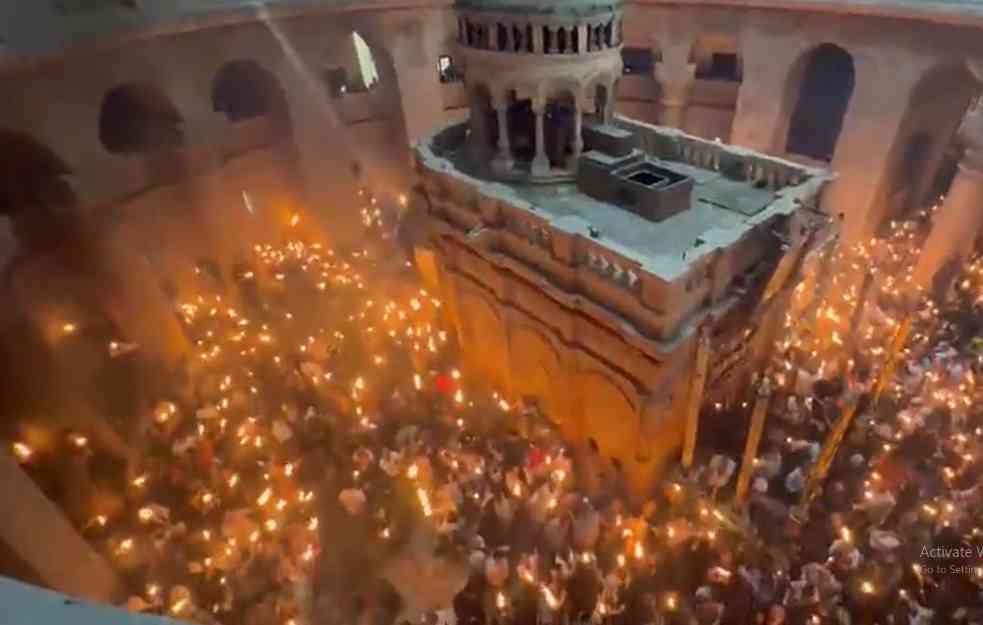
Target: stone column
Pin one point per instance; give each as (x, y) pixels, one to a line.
(675, 77)
(960, 219)
(578, 139)
(37, 533)
(862, 159)
(541, 163)
(503, 160)
(537, 38)
(581, 38)
(478, 122)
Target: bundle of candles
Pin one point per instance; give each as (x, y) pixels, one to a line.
(322, 454)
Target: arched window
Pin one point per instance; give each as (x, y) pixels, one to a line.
(244, 90)
(823, 96)
(924, 155)
(367, 75)
(138, 117)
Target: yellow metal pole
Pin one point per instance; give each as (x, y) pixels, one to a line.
(842, 424)
(833, 440)
(897, 344)
(695, 399)
(753, 440)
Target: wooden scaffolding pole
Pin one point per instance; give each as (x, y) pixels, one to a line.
(755, 431)
(695, 398)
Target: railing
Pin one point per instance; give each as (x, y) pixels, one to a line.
(605, 272)
(731, 161)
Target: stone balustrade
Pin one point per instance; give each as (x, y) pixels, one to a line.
(575, 256)
(501, 33)
(732, 161)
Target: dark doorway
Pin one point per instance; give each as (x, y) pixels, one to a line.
(822, 100)
(522, 130)
(559, 126)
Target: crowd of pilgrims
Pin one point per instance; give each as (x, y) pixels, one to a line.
(325, 462)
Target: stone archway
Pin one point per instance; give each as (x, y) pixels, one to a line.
(31, 175)
(138, 117)
(920, 155)
(821, 86)
(536, 372)
(484, 341)
(244, 89)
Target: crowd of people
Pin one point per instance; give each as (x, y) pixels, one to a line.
(319, 459)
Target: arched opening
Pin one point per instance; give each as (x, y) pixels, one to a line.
(244, 90)
(529, 38)
(518, 45)
(366, 73)
(597, 36)
(521, 129)
(37, 196)
(575, 44)
(547, 40)
(502, 36)
(561, 40)
(924, 156)
(824, 92)
(138, 117)
(484, 122)
(31, 175)
(609, 35)
(559, 128)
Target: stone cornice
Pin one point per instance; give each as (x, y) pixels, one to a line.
(953, 13)
(119, 33)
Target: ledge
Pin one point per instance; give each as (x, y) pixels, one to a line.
(953, 12)
(25, 604)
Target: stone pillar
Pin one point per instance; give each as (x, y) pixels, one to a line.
(503, 160)
(581, 38)
(541, 163)
(960, 219)
(675, 77)
(763, 106)
(578, 139)
(537, 38)
(874, 118)
(39, 535)
(478, 122)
